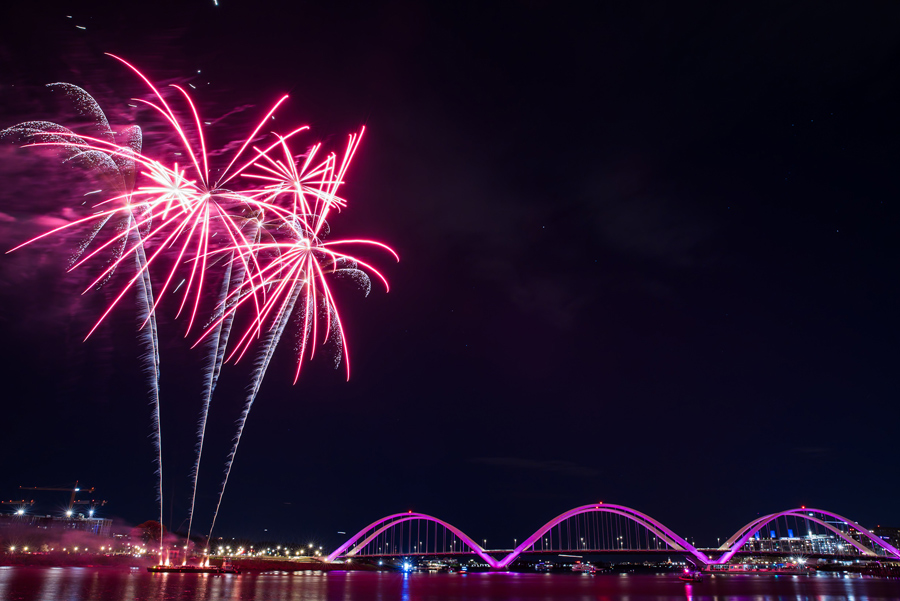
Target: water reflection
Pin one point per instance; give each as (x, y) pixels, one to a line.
(404, 592)
(110, 584)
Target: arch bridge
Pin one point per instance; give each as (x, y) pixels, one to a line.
(616, 529)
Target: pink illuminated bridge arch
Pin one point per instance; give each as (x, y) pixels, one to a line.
(390, 521)
(661, 531)
(673, 540)
(742, 536)
(350, 548)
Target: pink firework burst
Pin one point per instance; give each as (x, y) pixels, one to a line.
(259, 229)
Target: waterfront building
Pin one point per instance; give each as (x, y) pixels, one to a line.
(98, 526)
(889, 534)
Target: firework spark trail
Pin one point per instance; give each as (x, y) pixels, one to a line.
(86, 106)
(217, 345)
(213, 369)
(259, 371)
(150, 340)
(295, 273)
(149, 335)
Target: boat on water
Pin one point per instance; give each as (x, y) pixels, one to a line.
(584, 568)
(691, 576)
(226, 568)
(789, 569)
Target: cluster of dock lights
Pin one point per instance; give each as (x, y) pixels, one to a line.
(127, 548)
(25, 549)
(228, 551)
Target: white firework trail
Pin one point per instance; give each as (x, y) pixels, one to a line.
(273, 336)
(235, 274)
(150, 341)
(217, 344)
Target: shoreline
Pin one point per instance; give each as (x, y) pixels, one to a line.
(64, 560)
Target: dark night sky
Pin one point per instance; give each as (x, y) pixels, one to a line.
(648, 256)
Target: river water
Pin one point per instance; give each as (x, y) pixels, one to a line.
(114, 584)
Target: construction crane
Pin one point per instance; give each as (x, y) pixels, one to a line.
(21, 505)
(72, 489)
(93, 503)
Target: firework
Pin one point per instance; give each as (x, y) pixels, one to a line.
(172, 209)
(262, 238)
(292, 279)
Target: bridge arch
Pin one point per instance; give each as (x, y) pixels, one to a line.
(369, 534)
(759, 523)
(657, 528)
(736, 542)
(380, 526)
